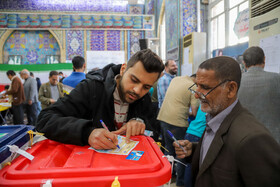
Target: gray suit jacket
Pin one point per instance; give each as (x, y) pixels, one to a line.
(243, 153)
(259, 92)
(30, 90)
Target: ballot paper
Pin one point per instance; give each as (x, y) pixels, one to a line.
(125, 148)
(6, 104)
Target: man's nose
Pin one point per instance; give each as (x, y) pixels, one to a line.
(137, 89)
(197, 94)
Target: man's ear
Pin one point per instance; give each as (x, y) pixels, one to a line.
(123, 68)
(232, 88)
(244, 65)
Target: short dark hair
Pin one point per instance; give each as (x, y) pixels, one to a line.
(253, 56)
(167, 62)
(193, 75)
(78, 62)
(60, 72)
(53, 73)
(11, 72)
(31, 74)
(225, 68)
(150, 60)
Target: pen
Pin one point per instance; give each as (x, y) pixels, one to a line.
(105, 127)
(172, 136)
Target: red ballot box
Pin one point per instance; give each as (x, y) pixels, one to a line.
(71, 165)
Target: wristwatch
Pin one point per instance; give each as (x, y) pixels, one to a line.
(138, 119)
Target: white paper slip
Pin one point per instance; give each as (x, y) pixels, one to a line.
(125, 148)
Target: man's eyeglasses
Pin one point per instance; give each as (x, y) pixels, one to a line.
(203, 96)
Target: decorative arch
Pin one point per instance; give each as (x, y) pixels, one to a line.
(3, 39)
(162, 11)
(60, 43)
(45, 44)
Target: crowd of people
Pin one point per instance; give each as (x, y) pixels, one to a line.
(32, 96)
(227, 123)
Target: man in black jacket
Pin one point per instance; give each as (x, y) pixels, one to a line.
(117, 94)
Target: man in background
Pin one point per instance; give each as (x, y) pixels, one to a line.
(61, 76)
(31, 97)
(163, 83)
(260, 91)
(51, 91)
(38, 80)
(173, 116)
(39, 108)
(17, 92)
(78, 74)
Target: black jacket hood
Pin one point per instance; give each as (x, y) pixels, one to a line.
(102, 73)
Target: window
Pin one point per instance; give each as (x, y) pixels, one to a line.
(217, 9)
(222, 20)
(221, 31)
(14, 59)
(233, 13)
(52, 59)
(233, 3)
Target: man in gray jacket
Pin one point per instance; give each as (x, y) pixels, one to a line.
(31, 96)
(260, 91)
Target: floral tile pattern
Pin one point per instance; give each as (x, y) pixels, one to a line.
(172, 21)
(32, 46)
(96, 40)
(74, 44)
(189, 16)
(150, 9)
(113, 40)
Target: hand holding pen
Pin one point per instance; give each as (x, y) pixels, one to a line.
(172, 136)
(105, 127)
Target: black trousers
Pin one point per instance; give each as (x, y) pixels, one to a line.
(31, 113)
(17, 114)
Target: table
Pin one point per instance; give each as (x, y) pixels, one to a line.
(4, 106)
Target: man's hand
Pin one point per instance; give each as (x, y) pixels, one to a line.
(102, 139)
(30, 102)
(132, 128)
(186, 145)
(52, 101)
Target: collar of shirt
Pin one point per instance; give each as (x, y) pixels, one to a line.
(169, 75)
(255, 68)
(215, 122)
(78, 73)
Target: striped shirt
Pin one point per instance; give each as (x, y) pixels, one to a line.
(121, 109)
(162, 86)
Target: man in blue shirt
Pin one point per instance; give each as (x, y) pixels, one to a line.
(163, 83)
(78, 74)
